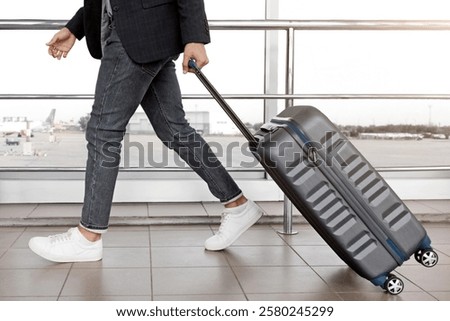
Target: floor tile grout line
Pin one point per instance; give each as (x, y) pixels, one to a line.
(33, 210)
(415, 284)
(441, 253)
(20, 235)
(224, 254)
(289, 245)
(232, 268)
(204, 208)
(426, 204)
(208, 215)
(65, 281)
(151, 262)
(430, 294)
(307, 264)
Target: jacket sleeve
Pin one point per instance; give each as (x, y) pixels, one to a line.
(76, 24)
(193, 22)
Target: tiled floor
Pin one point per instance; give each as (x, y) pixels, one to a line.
(168, 262)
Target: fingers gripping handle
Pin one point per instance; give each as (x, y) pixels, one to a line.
(193, 65)
(236, 120)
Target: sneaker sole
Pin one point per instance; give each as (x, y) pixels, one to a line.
(61, 260)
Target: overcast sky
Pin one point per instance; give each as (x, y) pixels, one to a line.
(404, 62)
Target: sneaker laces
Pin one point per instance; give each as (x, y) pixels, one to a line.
(60, 238)
(223, 221)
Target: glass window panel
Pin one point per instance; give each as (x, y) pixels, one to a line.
(414, 62)
(236, 64)
(381, 62)
(60, 145)
(372, 62)
(64, 145)
(409, 143)
(141, 148)
(26, 66)
(42, 9)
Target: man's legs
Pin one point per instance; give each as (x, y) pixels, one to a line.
(163, 106)
(121, 86)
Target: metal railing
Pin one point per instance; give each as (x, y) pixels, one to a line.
(247, 96)
(266, 25)
(45, 24)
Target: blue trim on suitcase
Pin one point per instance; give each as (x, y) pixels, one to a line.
(425, 244)
(379, 280)
(308, 144)
(294, 128)
(397, 251)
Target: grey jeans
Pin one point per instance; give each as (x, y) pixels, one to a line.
(122, 86)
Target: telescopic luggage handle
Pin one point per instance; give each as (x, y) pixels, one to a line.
(213, 91)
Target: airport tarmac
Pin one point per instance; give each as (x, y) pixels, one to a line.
(68, 149)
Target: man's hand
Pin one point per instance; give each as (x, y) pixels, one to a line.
(197, 52)
(61, 43)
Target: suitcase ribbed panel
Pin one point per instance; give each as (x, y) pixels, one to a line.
(317, 192)
(386, 208)
(351, 162)
(377, 194)
(364, 178)
(346, 164)
(325, 201)
(322, 198)
(359, 170)
(342, 223)
(396, 216)
(303, 176)
(333, 207)
(334, 213)
(362, 245)
(295, 166)
(365, 187)
(299, 172)
(331, 141)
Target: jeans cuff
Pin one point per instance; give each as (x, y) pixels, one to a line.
(232, 199)
(94, 230)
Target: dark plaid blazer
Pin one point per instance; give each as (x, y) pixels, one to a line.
(149, 29)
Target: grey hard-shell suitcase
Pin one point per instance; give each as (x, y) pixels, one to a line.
(337, 191)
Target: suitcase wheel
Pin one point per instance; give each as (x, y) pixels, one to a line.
(393, 285)
(427, 257)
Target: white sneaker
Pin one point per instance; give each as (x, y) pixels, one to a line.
(235, 221)
(71, 246)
